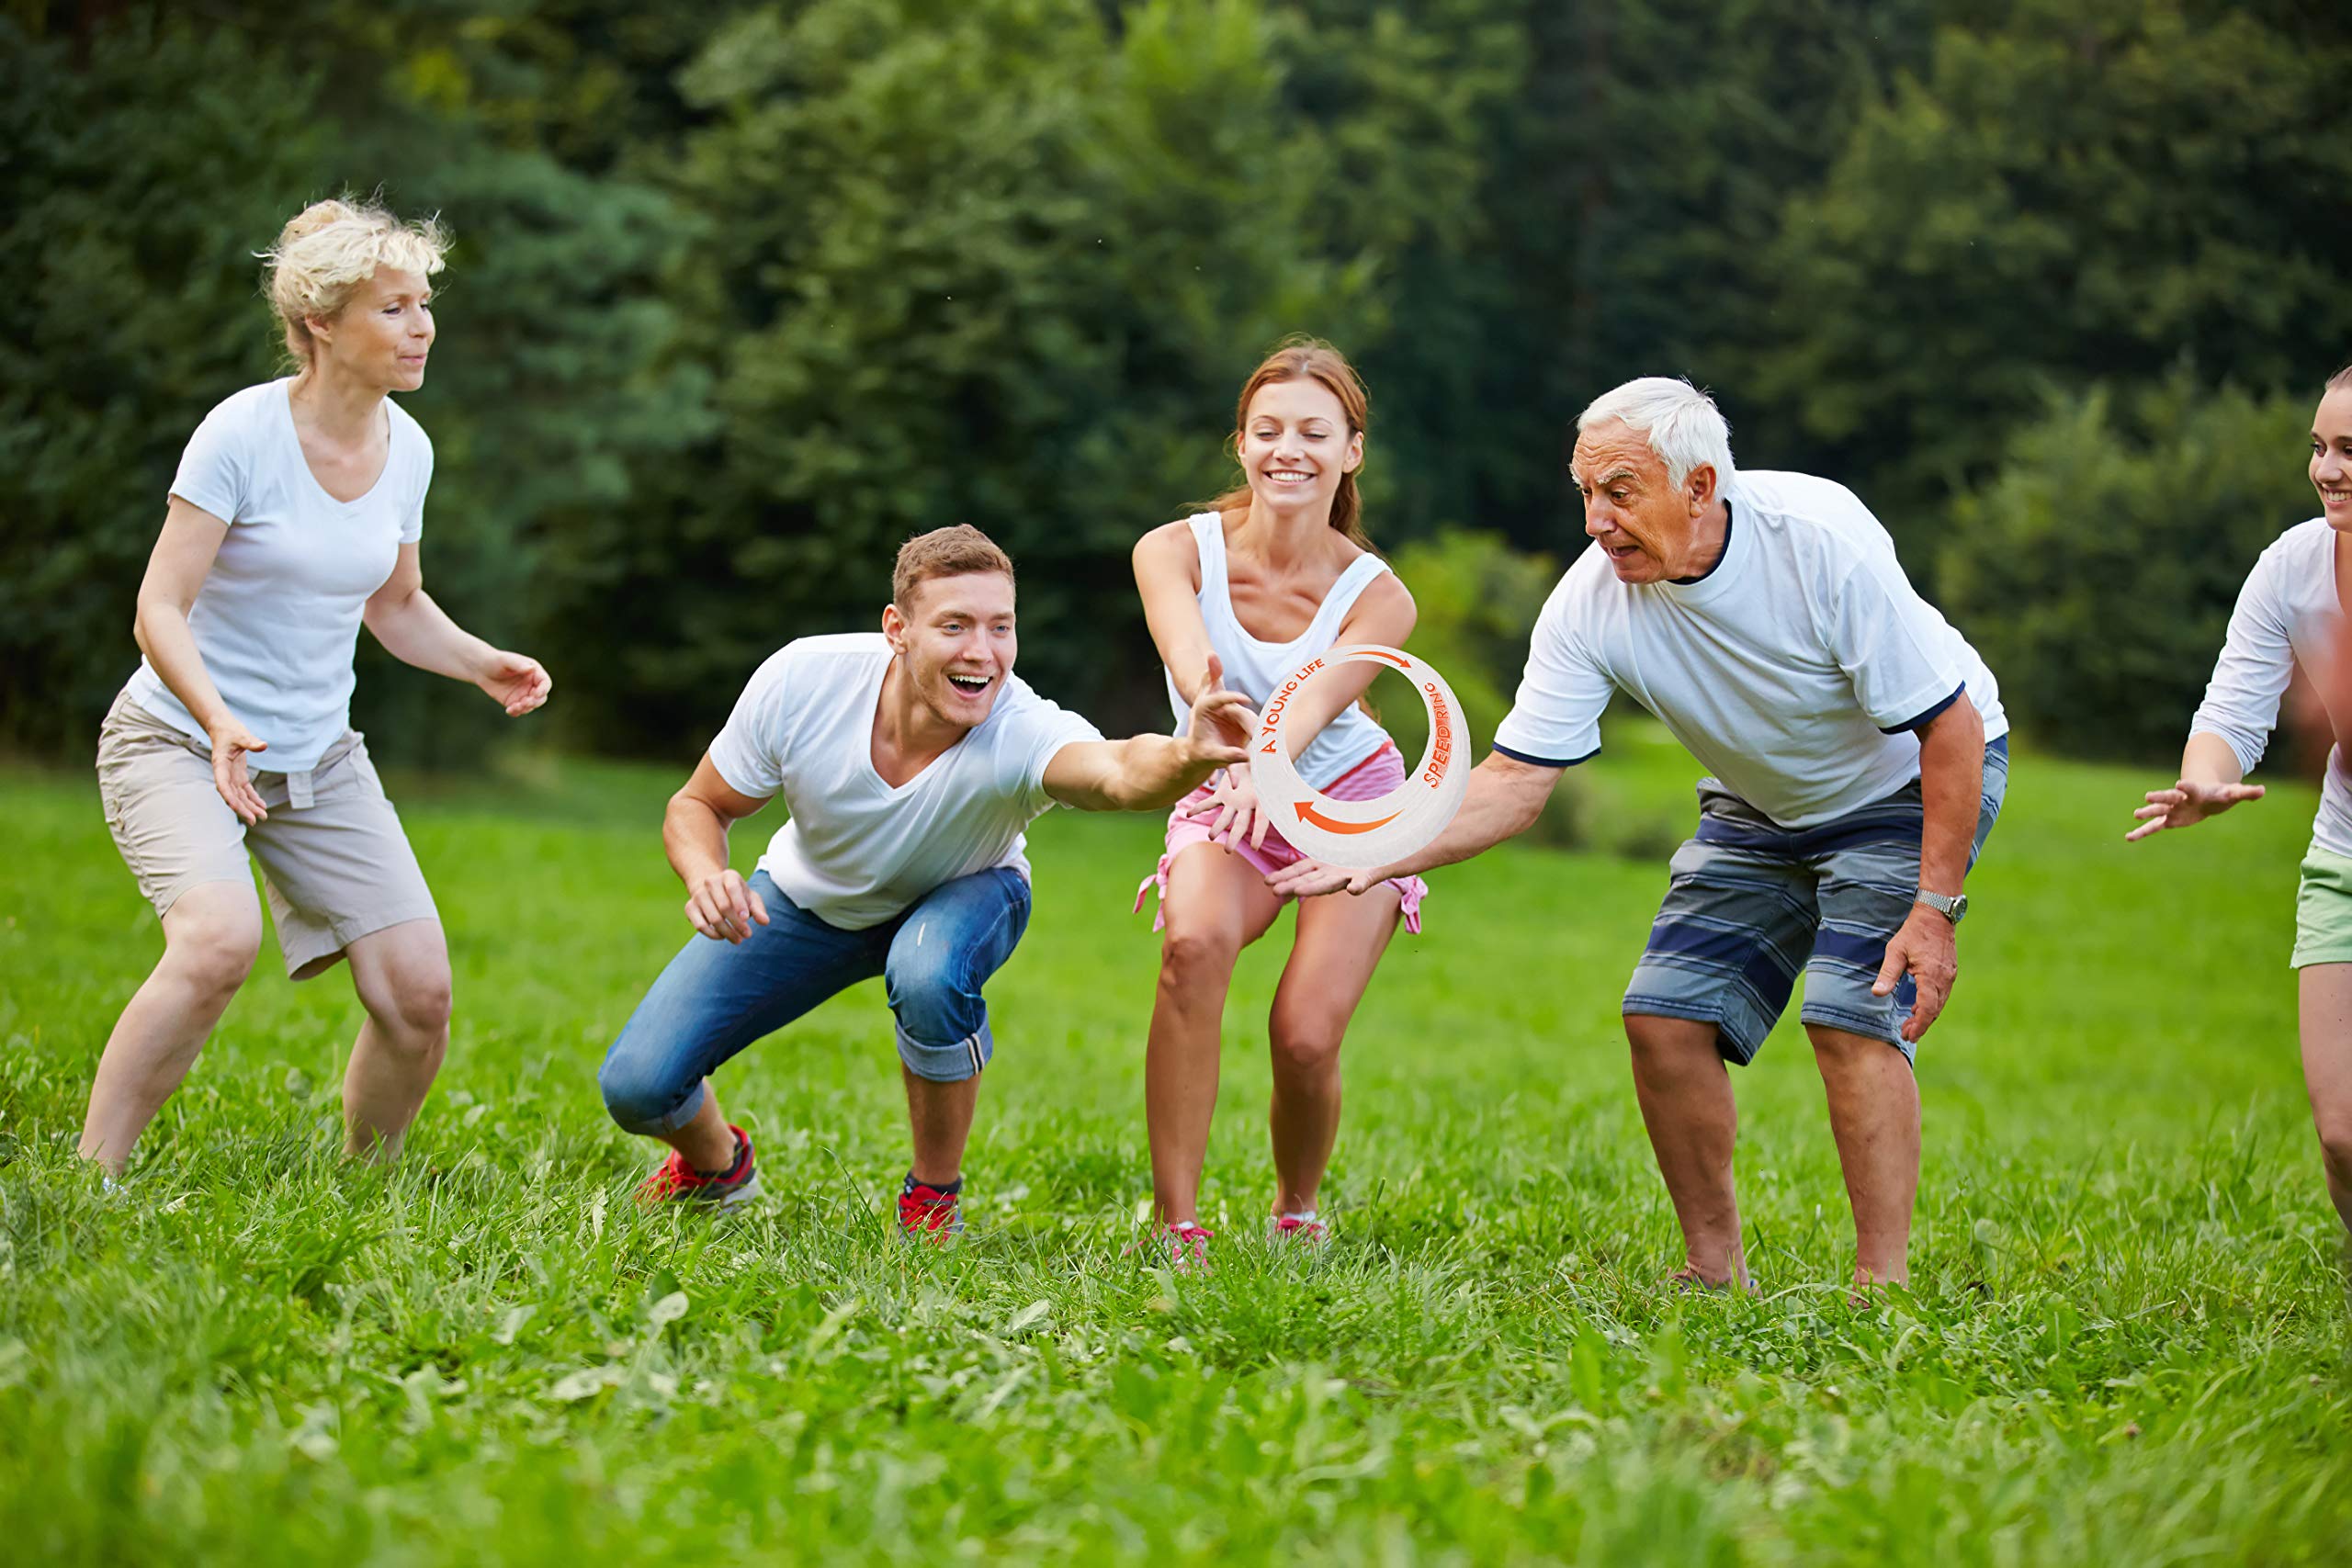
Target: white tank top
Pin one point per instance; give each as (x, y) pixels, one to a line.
(1254, 668)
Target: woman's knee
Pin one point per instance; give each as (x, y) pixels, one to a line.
(1305, 1041)
(214, 945)
(1197, 952)
(2334, 1123)
(414, 1003)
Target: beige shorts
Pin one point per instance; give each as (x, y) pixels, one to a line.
(333, 858)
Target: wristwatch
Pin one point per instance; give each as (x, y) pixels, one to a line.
(1951, 909)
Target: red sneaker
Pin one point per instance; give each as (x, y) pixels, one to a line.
(925, 1213)
(678, 1182)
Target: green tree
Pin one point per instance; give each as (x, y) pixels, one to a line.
(2075, 190)
(925, 299)
(2097, 567)
(127, 307)
(132, 306)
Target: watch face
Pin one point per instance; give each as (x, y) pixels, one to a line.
(1959, 907)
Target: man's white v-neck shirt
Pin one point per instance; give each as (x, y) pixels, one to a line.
(858, 851)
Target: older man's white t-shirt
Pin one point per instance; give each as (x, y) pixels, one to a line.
(1794, 670)
(857, 851)
(2286, 612)
(278, 615)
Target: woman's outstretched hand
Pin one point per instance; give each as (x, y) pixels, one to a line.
(1234, 804)
(231, 743)
(515, 681)
(2186, 804)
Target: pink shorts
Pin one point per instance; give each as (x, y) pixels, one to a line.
(1368, 780)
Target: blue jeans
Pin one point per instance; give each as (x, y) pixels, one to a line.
(717, 997)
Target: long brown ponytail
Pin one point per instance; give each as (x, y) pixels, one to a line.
(1304, 358)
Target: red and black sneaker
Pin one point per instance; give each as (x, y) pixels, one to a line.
(678, 1182)
(927, 1213)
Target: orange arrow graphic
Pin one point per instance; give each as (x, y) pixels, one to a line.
(1331, 824)
(1388, 658)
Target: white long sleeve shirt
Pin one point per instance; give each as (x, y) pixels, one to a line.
(2286, 612)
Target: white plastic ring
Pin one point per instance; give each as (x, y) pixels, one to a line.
(1360, 835)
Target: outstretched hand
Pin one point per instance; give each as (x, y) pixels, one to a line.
(1234, 804)
(232, 742)
(1308, 878)
(515, 681)
(1221, 723)
(2186, 804)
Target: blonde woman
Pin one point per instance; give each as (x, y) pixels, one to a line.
(294, 518)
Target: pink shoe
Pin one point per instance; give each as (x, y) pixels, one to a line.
(1298, 1230)
(1187, 1245)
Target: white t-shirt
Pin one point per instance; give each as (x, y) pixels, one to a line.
(857, 851)
(279, 615)
(2286, 612)
(1793, 669)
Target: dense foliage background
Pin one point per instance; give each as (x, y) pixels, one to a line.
(744, 293)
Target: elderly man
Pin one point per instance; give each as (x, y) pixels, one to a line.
(1859, 755)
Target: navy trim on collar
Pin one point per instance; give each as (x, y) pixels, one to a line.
(1686, 581)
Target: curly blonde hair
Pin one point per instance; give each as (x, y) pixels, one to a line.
(329, 249)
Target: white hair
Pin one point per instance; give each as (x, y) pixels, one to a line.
(1686, 430)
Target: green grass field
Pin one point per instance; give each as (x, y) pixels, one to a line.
(2128, 1342)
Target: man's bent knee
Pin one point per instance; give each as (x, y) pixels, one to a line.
(646, 1097)
(1836, 1049)
(1657, 1039)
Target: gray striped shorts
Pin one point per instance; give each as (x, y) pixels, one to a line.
(1751, 904)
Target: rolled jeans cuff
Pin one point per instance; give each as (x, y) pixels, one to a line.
(947, 1064)
(650, 1124)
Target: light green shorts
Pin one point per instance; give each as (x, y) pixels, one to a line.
(2323, 911)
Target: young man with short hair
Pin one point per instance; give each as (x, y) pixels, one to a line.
(911, 763)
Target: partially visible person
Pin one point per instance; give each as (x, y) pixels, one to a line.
(294, 519)
(1277, 571)
(1860, 757)
(2292, 611)
(911, 762)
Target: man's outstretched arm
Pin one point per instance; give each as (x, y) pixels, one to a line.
(1148, 772)
(1504, 798)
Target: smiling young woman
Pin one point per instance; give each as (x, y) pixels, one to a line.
(294, 518)
(2292, 611)
(1273, 572)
